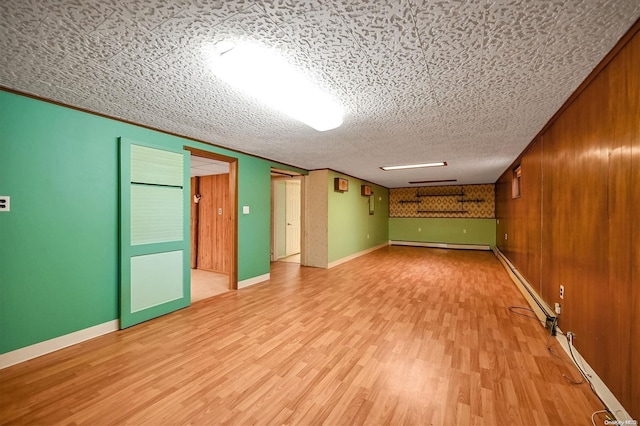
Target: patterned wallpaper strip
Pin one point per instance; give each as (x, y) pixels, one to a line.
(467, 201)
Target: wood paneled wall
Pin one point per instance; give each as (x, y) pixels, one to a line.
(518, 230)
(213, 230)
(195, 216)
(576, 222)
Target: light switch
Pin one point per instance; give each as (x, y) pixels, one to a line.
(5, 203)
(245, 209)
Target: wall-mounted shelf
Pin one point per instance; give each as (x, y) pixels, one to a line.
(471, 200)
(440, 195)
(442, 211)
(448, 201)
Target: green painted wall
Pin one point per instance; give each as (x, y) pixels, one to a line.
(350, 221)
(254, 229)
(443, 230)
(59, 257)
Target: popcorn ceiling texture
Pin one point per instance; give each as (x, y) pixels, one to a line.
(467, 82)
(478, 201)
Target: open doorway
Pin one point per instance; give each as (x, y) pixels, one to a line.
(213, 224)
(286, 216)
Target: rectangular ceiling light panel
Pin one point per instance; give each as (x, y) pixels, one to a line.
(266, 76)
(414, 166)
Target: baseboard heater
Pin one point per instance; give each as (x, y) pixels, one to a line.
(543, 311)
(441, 245)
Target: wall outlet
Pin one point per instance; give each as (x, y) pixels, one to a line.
(558, 309)
(505, 236)
(367, 236)
(464, 231)
(561, 292)
(419, 229)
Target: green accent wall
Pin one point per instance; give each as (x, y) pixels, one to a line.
(59, 257)
(350, 221)
(443, 230)
(254, 229)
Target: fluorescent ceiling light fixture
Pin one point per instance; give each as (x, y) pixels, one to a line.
(265, 75)
(414, 166)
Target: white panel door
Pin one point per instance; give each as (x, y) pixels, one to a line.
(292, 213)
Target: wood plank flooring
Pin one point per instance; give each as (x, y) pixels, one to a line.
(205, 284)
(402, 335)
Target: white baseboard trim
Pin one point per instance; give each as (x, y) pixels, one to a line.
(441, 245)
(601, 388)
(254, 280)
(355, 255)
(33, 351)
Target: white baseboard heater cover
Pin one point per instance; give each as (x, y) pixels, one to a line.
(441, 245)
(545, 314)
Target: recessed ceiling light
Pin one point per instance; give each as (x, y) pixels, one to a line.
(265, 75)
(414, 166)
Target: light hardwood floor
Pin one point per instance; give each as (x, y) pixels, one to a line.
(402, 335)
(205, 284)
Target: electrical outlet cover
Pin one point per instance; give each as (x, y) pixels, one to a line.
(5, 203)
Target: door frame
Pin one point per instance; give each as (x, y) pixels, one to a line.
(233, 201)
(274, 226)
(295, 185)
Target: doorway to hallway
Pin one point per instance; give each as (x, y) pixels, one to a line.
(286, 216)
(213, 224)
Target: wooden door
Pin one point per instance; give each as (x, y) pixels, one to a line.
(214, 217)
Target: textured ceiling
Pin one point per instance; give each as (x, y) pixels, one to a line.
(466, 82)
(204, 166)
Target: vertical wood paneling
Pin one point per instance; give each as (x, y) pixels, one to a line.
(214, 232)
(503, 213)
(623, 112)
(528, 210)
(577, 212)
(588, 175)
(520, 218)
(195, 189)
(556, 160)
(634, 300)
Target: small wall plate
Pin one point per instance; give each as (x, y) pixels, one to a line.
(5, 203)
